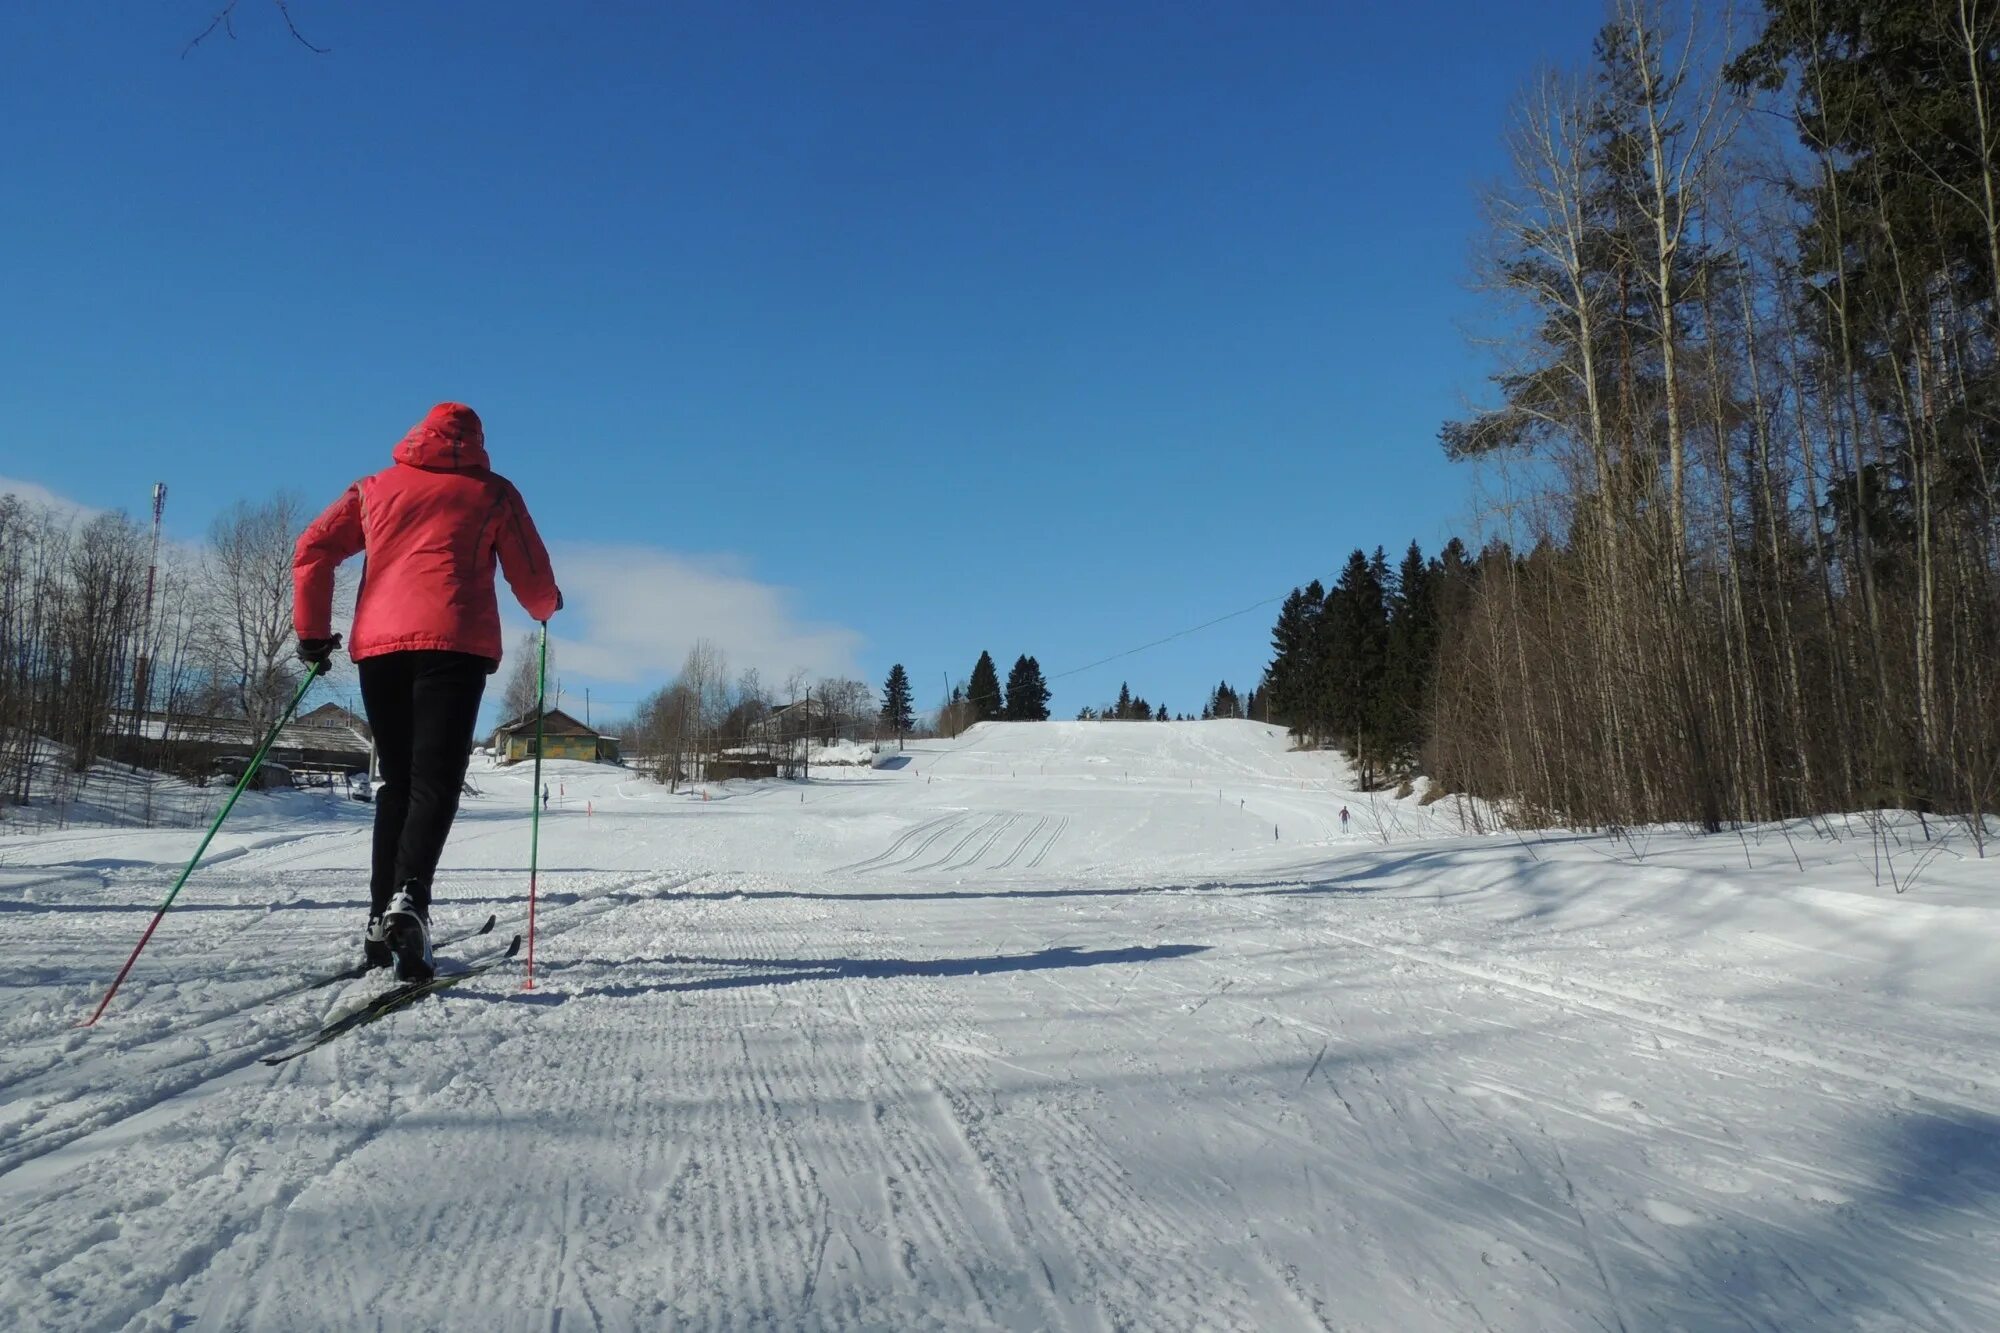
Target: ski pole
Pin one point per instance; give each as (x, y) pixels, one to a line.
(249, 772)
(535, 801)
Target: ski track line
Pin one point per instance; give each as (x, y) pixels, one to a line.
(213, 1175)
(916, 863)
(1419, 1197)
(1572, 992)
(922, 848)
(1939, 1060)
(965, 836)
(892, 1218)
(584, 1202)
(954, 1185)
(192, 1029)
(1054, 837)
(954, 1222)
(171, 1085)
(888, 854)
(121, 1114)
(1124, 1256)
(1022, 846)
(1000, 825)
(1764, 1050)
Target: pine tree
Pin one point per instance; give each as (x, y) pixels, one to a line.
(1038, 692)
(1161, 716)
(1122, 710)
(1411, 660)
(1293, 673)
(1354, 643)
(983, 690)
(898, 705)
(1027, 692)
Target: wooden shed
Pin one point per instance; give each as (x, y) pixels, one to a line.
(563, 737)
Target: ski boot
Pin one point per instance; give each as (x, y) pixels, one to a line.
(407, 932)
(375, 945)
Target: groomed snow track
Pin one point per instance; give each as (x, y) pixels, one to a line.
(1066, 1027)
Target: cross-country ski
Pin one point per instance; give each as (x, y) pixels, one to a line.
(388, 1002)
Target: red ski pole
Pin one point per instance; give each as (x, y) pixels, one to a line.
(249, 772)
(535, 801)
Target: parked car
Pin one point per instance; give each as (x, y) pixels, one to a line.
(268, 777)
(360, 788)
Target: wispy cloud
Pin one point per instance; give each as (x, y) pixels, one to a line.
(632, 612)
(34, 493)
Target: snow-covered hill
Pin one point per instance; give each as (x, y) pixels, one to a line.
(1052, 1026)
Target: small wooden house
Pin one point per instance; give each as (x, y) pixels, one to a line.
(563, 737)
(806, 717)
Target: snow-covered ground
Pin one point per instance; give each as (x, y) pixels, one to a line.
(1073, 1026)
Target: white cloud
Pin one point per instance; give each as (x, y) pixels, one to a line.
(33, 493)
(631, 613)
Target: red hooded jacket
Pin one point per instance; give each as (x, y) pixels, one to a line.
(432, 526)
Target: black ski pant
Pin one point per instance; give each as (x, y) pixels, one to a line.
(422, 706)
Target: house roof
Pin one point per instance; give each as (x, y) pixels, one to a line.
(307, 733)
(333, 715)
(555, 722)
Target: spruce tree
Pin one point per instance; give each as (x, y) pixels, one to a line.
(983, 690)
(1293, 670)
(1027, 692)
(1354, 642)
(1038, 692)
(1411, 659)
(898, 706)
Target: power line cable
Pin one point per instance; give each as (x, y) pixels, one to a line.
(1178, 634)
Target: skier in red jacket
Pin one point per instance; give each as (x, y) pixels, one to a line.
(426, 636)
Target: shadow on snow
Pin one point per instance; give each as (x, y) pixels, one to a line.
(789, 971)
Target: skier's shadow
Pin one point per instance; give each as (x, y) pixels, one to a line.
(745, 972)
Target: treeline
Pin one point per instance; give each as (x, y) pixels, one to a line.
(84, 669)
(1353, 665)
(1226, 703)
(704, 717)
(1128, 707)
(1025, 697)
(1751, 568)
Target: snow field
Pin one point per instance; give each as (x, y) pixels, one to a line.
(1043, 1030)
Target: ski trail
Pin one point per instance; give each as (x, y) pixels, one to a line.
(1022, 846)
(907, 846)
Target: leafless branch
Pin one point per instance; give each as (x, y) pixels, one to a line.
(225, 19)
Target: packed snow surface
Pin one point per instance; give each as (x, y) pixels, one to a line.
(1056, 1026)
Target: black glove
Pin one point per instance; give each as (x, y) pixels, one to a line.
(318, 653)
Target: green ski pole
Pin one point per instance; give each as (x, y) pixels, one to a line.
(535, 801)
(249, 772)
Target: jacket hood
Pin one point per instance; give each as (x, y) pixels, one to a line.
(449, 439)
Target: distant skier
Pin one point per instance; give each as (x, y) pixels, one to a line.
(1343, 819)
(545, 796)
(426, 636)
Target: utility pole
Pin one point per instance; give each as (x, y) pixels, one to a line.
(142, 674)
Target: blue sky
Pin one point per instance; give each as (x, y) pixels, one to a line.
(841, 334)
